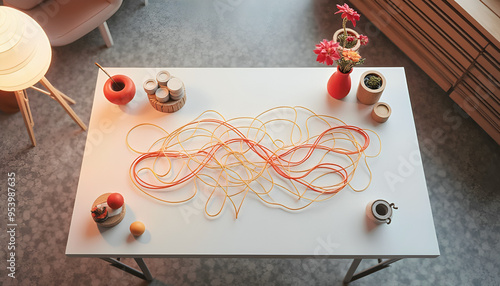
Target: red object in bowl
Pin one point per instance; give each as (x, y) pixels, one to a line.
(115, 200)
(121, 94)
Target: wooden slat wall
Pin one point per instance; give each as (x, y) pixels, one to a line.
(467, 103)
(445, 42)
(480, 89)
(393, 25)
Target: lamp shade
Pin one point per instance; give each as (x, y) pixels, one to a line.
(25, 51)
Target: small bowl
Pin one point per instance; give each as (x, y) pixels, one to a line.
(121, 94)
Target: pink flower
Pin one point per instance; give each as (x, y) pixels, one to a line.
(363, 39)
(348, 13)
(350, 38)
(327, 52)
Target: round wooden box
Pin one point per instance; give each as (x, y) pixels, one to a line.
(111, 221)
(381, 112)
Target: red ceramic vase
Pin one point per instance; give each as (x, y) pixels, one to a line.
(122, 93)
(339, 84)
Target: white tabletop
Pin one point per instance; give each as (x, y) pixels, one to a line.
(336, 228)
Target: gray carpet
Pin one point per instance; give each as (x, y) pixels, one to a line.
(461, 162)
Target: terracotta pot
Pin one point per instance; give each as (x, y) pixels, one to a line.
(8, 102)
(367, 95)
(350, 32)
(339, 84)
(121, 94)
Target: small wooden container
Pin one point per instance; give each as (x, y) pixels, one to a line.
(367, 95)
(381, 112)
(150, 86)
(162, 94)
(163, 77)
(111, 221)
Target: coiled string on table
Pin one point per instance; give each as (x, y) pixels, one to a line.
(279, 157)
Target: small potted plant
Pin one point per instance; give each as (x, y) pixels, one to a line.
(371, 85)
(330, 52)
(349, 42)
(347, 38)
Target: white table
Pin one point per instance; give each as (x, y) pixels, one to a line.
(336, 228)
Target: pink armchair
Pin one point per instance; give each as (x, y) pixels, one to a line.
(65, 21)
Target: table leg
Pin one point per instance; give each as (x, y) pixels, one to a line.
(146, 275)
(350, 276)
(352, 269)
(144, 268)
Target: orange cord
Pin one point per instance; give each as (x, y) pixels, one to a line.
(245, 165)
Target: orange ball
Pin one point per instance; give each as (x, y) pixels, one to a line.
(115, 200)
(137, 228)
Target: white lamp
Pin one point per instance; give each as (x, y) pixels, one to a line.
(25, 56)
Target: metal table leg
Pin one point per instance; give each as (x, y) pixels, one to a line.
(352, 269)
(145, 274)
(144, 268)
(350, 276)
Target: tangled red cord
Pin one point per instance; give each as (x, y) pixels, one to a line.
(232, 164)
